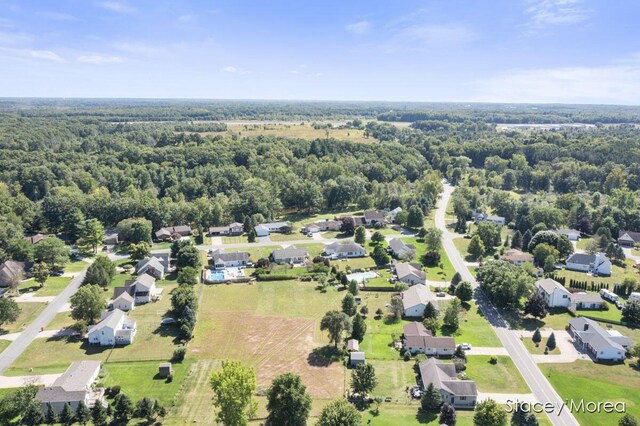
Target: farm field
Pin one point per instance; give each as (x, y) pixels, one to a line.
(301, 131)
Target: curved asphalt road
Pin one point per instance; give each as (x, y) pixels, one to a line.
(522, 359)
(15, 349)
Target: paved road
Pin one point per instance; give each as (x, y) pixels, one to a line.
(540, 386)
(15, 349)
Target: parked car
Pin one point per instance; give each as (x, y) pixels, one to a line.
(309, 234)
(467, 236)
(465, 346)
(619, 304)
(56, 273)
(167, 321)
(441, 294)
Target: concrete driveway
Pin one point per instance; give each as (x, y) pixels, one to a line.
(568, 351)
(19, 381)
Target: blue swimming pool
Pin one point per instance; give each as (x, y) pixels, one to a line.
(361, 276)
(216, 275)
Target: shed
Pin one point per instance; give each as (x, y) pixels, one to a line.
(165, 370)
(356, 358)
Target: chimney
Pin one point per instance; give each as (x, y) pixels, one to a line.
(586, 327)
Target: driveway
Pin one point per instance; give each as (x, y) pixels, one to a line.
(19, 381)
(45, 333)
(31, 297)
(564, 342)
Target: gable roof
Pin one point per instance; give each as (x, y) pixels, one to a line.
(629, 236)
(549, 285)
(404, 269)
(416, 295)
(581, 258)
(591, 332)
(12, 268)
(353, 345)
(234, 256)
(347, 247)
(376, 215)
(274, 225)
(124, 295)
(35, 239)
(397, 245)
(415, 328)
(444, 376)
(144, 282)
(72, 385)
(111, 320)
(150, 262)
(289, 253)
(567, 232)
(585, 298)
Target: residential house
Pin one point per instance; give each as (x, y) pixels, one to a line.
(140, 291)
(456, 392)
(415, 299)
(235, 228)
(633, 296)
(517, 257)
(417, 339)
(115, 328)
(410, 273)
(323, 226)
(173, 232)
(374, 217)
(400, 249)
(585, 301)
(571, 234)
(601, 344)
(357, 220)
(597, 264)
(12, 272)
(353, 345)
(393, 213)
(555, 294)
(35, 239)
(628, 238)
(290, 254)
(124, 301)
(222, 260)
(264, 229)
(153, 266)
(73, 387)
(344, 249)
(484, 217)
(356, 358)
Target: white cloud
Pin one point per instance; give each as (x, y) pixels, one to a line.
(230, 69)
(618, 84)
(437, 35)
(235, 70)
(140, 49)
(99, 59)
(58, 16)
(46, 54)
(556, 12)
(116, 6)
(13, 38)
(359, 28)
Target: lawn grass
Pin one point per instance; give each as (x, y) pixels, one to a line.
(394, 378)
(502, 377)
(442, 272)
(410, 415)
(76, 266)
(583, 243)
(237, 239)
(538, 350)
(299, 130)
(596, 382)
(474, 328)
(618, 274)
(313, 249)
(462, 245)
(3, 346)
(28, 312)
(381, 331)
(139, 379)
(277, 237)
(52, 287)
(60, 321)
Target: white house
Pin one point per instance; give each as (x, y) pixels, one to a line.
(152, 266)
(393, 213)
(609, 295)
(400, 249)
(415, 299)
(73, 387)
(135, 292)
(456, 392)
(322, 226)
(517, 257)
(264, 229)
(571, 234)
(595, 263)
(289, 255)
(484, 217)
(223, 260)
(585, 301)
(346, 249)
(116, 328)
(235, 228)
(603, 345)
(417, 339)
(410, 273)
(555, 295)
(124, 301)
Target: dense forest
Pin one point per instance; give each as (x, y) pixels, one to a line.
(66, 161)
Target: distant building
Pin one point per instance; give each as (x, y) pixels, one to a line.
(595, 263)
(571, 234)
(222, 260)
(554, 294)
(35, 239)
(628, 238)
(393, 213)
(517, 257)
(11, 272)
(456, 392)
(400, 249)
(323, 226)
(135, 292)
(152, 266)
(173, 232)
(264, 229)
(483, 217)
(73, 387)
(415, 299)
(235, 228)
(374, 217)
(344, 250)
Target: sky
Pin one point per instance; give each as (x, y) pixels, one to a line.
(541, 51)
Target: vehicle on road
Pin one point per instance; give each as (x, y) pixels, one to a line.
(465, 346)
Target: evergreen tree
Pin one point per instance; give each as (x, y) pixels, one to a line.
(66, 415)
(537, 337)
(353, 287)
(526, 239)
(99, 415)
(431, 399)
(83, 415)
(447, 415)
(33, 414)
(51, 417)
(430, 311)
(551, 342)
(359, 328)
(516, 241)
(349, 304)
(451, 315)
(251, 237)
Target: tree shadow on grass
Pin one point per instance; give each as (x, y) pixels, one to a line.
(169, 330)
(324, 356)
(425, 417)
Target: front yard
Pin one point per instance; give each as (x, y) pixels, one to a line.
(474, 328)
(502, 377)
(28, 312)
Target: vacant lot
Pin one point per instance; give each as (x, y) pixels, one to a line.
(302, 131)
(599, 383)
(502, 377)
(28, 312)
(273, 327)
(474, 328)
(394, 378)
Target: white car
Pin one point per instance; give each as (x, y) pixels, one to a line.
(167, 321)
(465, 346)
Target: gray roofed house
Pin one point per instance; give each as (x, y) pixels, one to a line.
(628, 238)
(400, 249)
(554, 294)
(173, 232)
(372, 217)
(152, 266)
(601, 344)
(73, 387)
(571, 234)
(415, 299)
(11, 272)
(35, 239)
(235, 228)
(484, 217)
(456, 392)
(344, 249)
(123, 301)
(222, 260)
(596, 263)
(517, 257)
(417, 339)
(585, 301)
(290, 254)
(410, 273)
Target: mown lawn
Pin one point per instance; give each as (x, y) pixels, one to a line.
(28, 312)
(237, 239)
(52, 287)
(618, 274)
(434, 273)
(410, 415)
(599, 383)
(60, 321)
(3, 345)
(502, 377)
(277, 237)
(76, 266)
(474, 328)
(381, 331)
(538, 350)
(394, 377)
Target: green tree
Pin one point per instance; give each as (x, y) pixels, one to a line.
(40, 273)
(456, 279)
(359, 329)
(187, 275)
(464, 291)
(380, 256)
(363, 379)
(537, 337)
(9, 311)
(52, 251)
(66, 415)
(431, 400)
(377, 237)
(536, 306)
(336, 323)
(15, 403)
(100, 272)
(50, 418)
(123, 409)
(233, 388)
(146, 409)
(397, 307)
(135, 230)
(544, 251)
(353, 287)
(476, 247)
(430, 311)
(432, 324)
(522, 418)
(360, 235)
(139, 250)
(489, 413)
(252, 235)
(451, 315)
(339, 413)
(505, 284)
(99, 415)
(182, 297)
(33, 414)
(628, 420)
(631, 311)
(87, 304)
(415, 217)
(489, 233)
(288, 402)
(83, 415)
(433, 239)
(551, 341)
(349, 304)
(516, 241)
(447, 415)
(188, 255)
(92, 234)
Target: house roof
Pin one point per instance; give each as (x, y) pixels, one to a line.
(356, 356)
(416, 295)
(515, 255)
(585, 298)
(346, 247)
(272, 225)
(404, 269)
(549, 285)
(230, 257)
(144, 282)
(397, 245)
(111, 320)
(629, 236)
(151, 262)
(213, 229)
(72, 385)
(123, 295)
(12, 268)
(581, 258)
(289, 253)
(375, 215)
(415, 328)
(567, 232)
(591, 332)
(444, 376)
(444, 342)
(353, 345)
(35, 239)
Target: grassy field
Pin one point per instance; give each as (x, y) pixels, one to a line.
(300, 130)
(52, 287)
(4, 344)
(378, 340)
(503, 377)
(60, 321)
(474, 328)
(538, 350)
(28, 312)
(618, 274)
(276, 237)
(410, 415)
(434, 273)
(394, 378)
(596, 382)
(238, 239)
(76, 266)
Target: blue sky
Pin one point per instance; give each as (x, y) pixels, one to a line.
(572, 51)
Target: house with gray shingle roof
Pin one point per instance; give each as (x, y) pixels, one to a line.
(222, 260)
(456, 392)
(152, 266)
(584, 300)
(410, 273)
(628, 238)
(173, 232)
(415, 299)
(417, 339)
(116, 328)
(596, 263)
(11, 272)
(290, 254)
(400, 249)
(344, 249)
(601, 344)
(554, 294)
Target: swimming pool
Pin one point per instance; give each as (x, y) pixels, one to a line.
(216, 275)
(361, 276)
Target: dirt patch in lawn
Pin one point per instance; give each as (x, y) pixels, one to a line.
(272, 346)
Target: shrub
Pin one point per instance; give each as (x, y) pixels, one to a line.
(276, 277)
(493, 360)
(179, 354)
(406, 356)
(460, 365)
